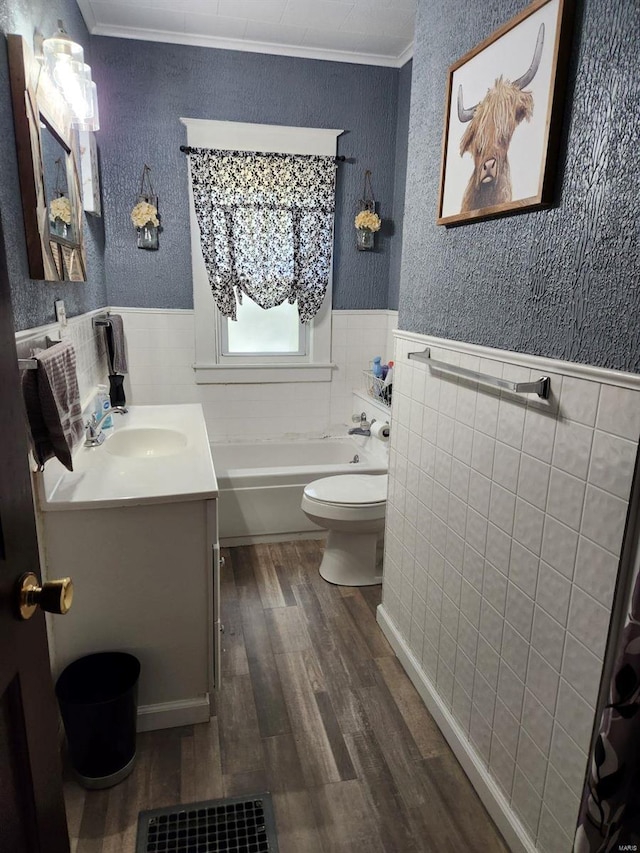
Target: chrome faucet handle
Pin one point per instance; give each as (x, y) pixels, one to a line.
(359, 419)
(91, 426)
(94, 436)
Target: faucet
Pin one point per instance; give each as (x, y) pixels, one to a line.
(365, 425)
(94, 436)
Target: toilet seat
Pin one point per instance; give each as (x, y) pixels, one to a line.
(349, 490)
(347, 497)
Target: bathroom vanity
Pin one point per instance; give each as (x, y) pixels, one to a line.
(135, 526)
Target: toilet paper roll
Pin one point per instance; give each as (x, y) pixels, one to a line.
(380, 430)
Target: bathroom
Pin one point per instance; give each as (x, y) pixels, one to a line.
(507, 665)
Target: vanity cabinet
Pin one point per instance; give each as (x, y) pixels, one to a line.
(135, 525)
(146, 581)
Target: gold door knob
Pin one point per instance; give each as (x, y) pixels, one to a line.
(52, 596)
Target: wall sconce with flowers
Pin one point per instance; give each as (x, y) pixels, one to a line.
(145, 213)
(367, 222)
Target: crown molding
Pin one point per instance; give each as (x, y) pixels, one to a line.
(240, 44)
(405, 56)
(87, 12)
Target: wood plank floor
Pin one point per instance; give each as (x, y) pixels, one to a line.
(313, 707)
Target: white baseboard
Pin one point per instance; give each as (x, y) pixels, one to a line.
(234, 541)
(168, 715)
(494, 800)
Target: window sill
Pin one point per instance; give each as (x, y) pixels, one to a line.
(256, 374)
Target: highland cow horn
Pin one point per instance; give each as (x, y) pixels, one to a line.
(523, 81)
(463, 113)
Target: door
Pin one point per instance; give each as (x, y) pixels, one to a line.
(32, 815)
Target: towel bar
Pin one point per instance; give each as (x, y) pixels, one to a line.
(101, 321)
(541, 387)
(28, 363)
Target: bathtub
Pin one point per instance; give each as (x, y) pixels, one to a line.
(261, 484)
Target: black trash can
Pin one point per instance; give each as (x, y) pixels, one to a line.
(98, 701)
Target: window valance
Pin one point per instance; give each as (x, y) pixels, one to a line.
(266, 226)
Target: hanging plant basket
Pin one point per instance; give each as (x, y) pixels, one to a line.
(145, 214)
(367, 221)
(148, 233)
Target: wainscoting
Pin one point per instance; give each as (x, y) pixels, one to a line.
(505, 524)
(161, 353)
(89, 344)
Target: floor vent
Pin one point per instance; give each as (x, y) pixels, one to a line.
(235, 825)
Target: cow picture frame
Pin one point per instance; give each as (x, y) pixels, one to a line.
(503, 117)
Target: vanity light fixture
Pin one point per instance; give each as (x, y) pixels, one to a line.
(65, 65)
(91, 118)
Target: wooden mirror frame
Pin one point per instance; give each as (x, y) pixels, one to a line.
(35, 101)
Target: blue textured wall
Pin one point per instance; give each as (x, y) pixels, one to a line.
(145, 87)
(563, 282)
(400, 180)
(33, 300)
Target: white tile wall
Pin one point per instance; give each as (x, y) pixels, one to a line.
(160, 349)
(161, 354)
(89, 346)
(523, 506)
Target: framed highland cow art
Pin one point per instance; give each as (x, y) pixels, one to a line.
(503, 117)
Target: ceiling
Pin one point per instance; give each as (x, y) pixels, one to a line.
(377, 32)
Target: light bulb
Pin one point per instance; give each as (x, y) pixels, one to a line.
(58, 47)
(91, 122)
(76, 89)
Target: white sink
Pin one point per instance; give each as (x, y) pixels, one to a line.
(155, 454)
(146, 442)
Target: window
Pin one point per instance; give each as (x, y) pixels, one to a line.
(277, 332)
(261, 345)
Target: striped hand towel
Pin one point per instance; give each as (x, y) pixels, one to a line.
(52, 402)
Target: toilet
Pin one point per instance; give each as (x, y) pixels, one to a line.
(352, 508)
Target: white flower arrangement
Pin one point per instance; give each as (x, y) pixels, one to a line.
(60, 208)
(144, 213)
(367, 220)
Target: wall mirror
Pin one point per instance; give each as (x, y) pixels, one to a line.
(48, 170)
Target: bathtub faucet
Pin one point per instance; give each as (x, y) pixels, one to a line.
(94, 436)
(365, 425)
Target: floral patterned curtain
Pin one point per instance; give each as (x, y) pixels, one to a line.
(610, 809)
(266, 226)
